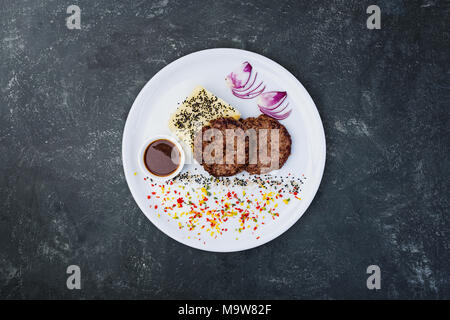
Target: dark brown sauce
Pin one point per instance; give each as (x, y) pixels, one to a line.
(162, 157)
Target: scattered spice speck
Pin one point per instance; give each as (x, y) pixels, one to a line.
(215, 204)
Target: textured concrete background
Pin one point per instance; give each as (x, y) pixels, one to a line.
(383, 96)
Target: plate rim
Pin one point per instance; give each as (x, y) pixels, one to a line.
(288, 224)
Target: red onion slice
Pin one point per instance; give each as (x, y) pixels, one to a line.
(241, 83)
(264, 110)
(239, 78)
(271, 98)
(245, 88)
(270, 103)
(277, 105)
(276, 115)
(248, 95)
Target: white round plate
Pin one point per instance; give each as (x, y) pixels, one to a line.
(149, 117)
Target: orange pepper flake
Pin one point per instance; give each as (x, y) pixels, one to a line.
(199, 211)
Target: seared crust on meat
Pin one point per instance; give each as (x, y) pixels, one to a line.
(252, 152)
(285, 142)
(225, 168)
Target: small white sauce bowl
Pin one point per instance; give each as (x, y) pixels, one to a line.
(142, 159)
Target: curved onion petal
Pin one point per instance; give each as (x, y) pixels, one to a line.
(276, 106)
(272, 98)
(280, 111)
(254, 89)
(245, 88)
(248, 95)
(267, 110)
(239, 78)
(270, 103)
(276, 115)
(242, 83)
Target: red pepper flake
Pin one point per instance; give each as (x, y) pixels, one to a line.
(228, 205)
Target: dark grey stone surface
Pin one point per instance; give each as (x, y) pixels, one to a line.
(383, 96)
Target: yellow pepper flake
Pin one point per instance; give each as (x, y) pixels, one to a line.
(217, 207)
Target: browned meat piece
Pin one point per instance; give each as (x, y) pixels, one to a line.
(210, 148)
(263, 164)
